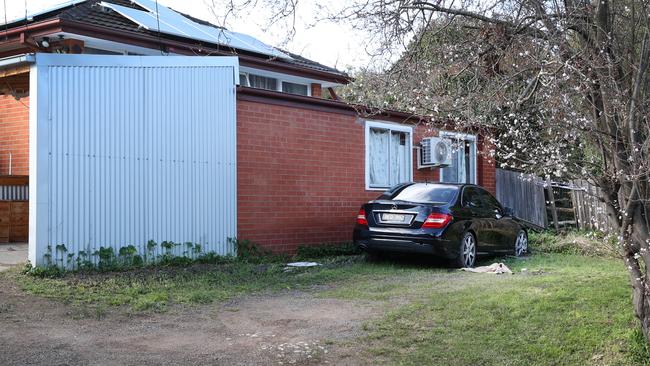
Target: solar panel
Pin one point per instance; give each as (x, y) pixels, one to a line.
(144, 19)
(257, 44)
(31, 15)
(186, 27)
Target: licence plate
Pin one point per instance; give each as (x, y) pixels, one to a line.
(390, 217)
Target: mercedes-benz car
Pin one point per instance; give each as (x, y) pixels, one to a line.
(453, 221)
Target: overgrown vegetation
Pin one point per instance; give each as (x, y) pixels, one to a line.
(326, 250)
(249, 252)
(592, 243)
(128, 257)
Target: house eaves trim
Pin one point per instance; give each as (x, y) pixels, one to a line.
(294, 100)
(180, 47)
(325, 105)
(17, 61)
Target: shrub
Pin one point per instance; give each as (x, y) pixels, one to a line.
(594, 244)
(49, 271)
(326, 250)
(251, 253)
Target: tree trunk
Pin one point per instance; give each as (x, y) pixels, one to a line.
(640, 295)
(641, 242)
(634, 236)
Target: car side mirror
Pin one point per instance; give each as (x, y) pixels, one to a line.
(508, 211)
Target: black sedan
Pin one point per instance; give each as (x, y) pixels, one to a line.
(454, 221)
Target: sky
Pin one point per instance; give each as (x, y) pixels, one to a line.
(336, 45)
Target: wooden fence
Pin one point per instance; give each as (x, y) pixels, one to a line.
(14, 221)
(551, 204)
(524, 194)
(14, 208)
(590, 212)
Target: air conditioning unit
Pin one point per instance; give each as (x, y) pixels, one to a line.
(434, 152)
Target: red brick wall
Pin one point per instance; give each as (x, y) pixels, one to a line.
(316, 90)
(486, 165)
(301, 174)
(14, 135)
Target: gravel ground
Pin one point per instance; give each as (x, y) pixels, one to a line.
(291, 328)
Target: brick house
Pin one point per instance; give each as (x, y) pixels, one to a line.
(305, 161)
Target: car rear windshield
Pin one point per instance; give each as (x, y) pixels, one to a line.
(422, 193)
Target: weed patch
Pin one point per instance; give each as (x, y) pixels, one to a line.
(326, 250)
(594, 244)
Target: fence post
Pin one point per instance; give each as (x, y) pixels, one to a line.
(551, 198)
(575, 200)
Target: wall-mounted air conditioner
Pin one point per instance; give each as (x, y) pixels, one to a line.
(434, 152)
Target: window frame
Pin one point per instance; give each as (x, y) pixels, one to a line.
(307, 86)
(473, 154)
(280, 79)
(382, 125)
(248, 81)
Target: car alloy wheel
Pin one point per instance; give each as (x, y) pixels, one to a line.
(468, 250)
(521, 244)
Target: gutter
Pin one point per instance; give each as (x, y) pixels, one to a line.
(197, 48)
(17, 60)
(28, 28)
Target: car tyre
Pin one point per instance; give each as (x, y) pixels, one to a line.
(521, 243)
(466, 251)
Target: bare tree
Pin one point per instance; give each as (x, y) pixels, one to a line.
(563, 85)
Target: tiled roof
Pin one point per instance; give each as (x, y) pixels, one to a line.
(91, 13)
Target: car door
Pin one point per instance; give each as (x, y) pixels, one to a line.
(503, 228)
(474, 208)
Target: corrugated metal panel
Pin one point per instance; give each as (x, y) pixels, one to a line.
(14, 193)
(133, 149)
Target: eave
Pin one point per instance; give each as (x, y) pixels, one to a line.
(193, 49)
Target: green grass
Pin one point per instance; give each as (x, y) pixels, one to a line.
(566, 309)
(155, 288)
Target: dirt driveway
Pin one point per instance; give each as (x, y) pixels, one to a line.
(279, 329)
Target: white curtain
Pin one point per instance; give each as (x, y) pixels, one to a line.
(399, 159)
(394, 158)
(378, 158)
(463, 161)
(390, 162)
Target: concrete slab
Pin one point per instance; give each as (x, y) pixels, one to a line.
(12, 254)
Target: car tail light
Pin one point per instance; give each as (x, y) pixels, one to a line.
(361, 218)
(437, 220)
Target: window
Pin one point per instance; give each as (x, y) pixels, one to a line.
(389, 159)
(490, 202)
(243, 79)
(476, 197)
(262, 82)
(422, 193)
(276, 82)
(463, 159)
(471, 198)
(294, 88)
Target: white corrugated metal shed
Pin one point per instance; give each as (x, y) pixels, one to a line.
(128, 149)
